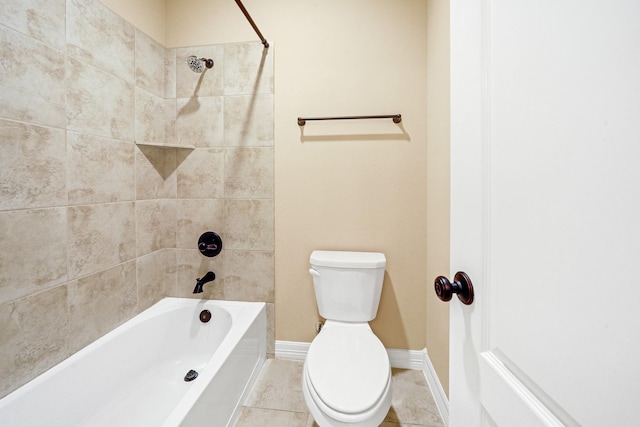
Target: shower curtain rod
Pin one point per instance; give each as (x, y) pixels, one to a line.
(253, 24)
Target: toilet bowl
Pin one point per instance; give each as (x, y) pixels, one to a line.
(347, 375)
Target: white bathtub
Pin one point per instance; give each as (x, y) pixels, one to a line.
(134, 375)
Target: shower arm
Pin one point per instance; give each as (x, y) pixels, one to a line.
(253, 24)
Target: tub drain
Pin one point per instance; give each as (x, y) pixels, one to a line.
(205, 316)
(191, 375)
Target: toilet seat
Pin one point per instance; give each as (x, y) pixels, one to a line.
(325, 416)
(348, 368)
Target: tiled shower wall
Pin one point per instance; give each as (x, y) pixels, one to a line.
(95, 228)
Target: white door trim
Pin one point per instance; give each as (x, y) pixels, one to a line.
(506, 389)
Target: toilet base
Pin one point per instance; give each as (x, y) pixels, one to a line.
(324, 420)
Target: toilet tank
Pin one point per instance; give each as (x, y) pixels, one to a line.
(347, 284)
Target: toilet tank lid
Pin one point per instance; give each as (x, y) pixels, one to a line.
(346, 259)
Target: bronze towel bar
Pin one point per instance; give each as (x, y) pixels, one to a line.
(397, 118)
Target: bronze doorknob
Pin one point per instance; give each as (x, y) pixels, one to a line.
(461, 285)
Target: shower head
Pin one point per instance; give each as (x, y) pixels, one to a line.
(197, 64)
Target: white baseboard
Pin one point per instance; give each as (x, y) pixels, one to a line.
(291, 350)
(439, 396)
(404, 359)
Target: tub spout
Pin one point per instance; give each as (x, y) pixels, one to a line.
(210, 276)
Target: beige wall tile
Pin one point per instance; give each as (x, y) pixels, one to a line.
(171, 255)
(156, 277)
(192, 265)
(44, 20)
(95, 241)
(150, 63)
(155, 172)
(249, 276)
(248, 68)
(248, 173)
(32, 166)
(208, 83)
(194, 217)
(32, 76)
(249, 224)
(155, 225)
(248, 120)
(101, 302)
(170, 73)
(271, 330)
(99, 103)
(147, 15)
(150, 117)
(200, 121)
(170, 121)
(100, 236)
(98, 36)
(201, 173)
(33, 252)
(33, 337)
(99, 169)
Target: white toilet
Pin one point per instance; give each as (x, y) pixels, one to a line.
(347, 375)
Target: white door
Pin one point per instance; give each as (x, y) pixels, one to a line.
(545, 170)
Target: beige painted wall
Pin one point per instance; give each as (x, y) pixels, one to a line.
(357, 185)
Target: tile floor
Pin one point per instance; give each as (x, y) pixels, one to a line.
(277, 401)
